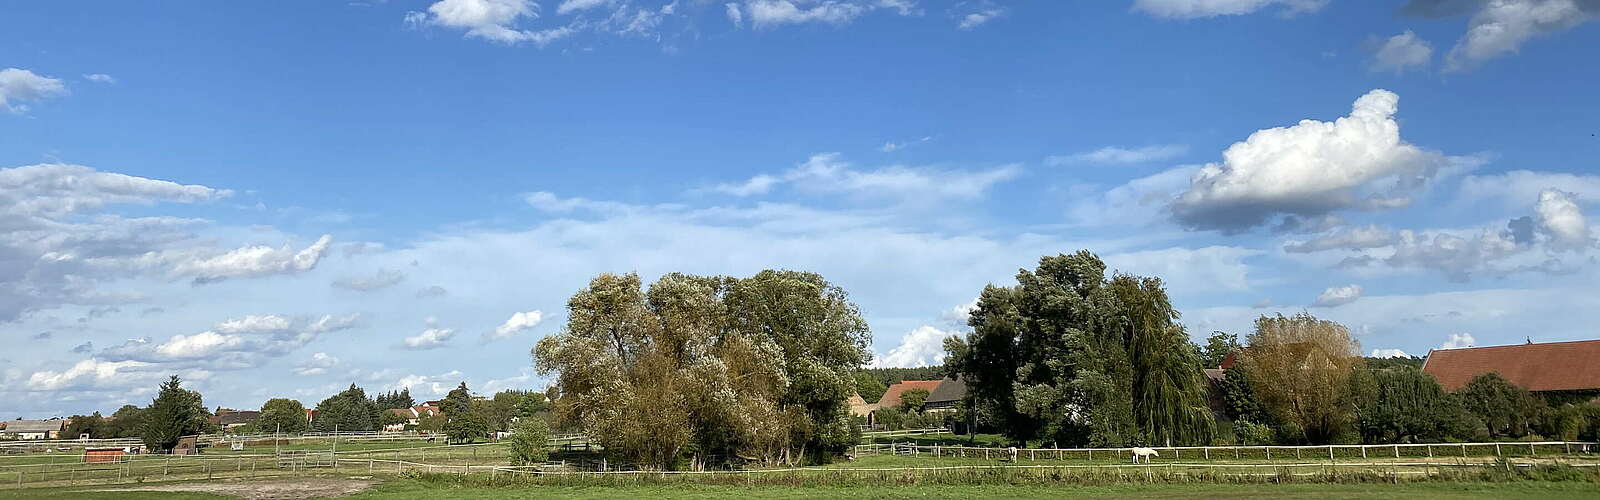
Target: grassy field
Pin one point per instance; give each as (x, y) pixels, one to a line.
(409, 490)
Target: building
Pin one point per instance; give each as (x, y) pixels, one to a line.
(1547, 368)
(413, 416)
(946, 397)
(34, 429)
(230, 419)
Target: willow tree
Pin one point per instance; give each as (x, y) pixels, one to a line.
(1070, 356)
(715, 368)
(1300, 368)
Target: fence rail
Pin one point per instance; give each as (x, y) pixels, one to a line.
(1333, 451)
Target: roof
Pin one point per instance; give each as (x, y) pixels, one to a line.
(1551, 366)
(1214, 374)
(858, 406)
(238, 417)
(949, 390)
(20, 426)
(891, 397)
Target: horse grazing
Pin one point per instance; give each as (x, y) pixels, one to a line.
(1013, 452)
(1144, 452)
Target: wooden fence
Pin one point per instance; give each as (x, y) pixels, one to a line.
(1332, 452)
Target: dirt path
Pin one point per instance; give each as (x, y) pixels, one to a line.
(277, 489)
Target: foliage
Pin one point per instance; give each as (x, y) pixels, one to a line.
(127, 421)
(892, 376)
(388, 417)
(506, 405)
(349, 410)
(717, 367)
(457, 402)
(94, 425)
(1413, 362)
(529, 438)
(1505, 409)
(532, 404)
(1071, 357)
(1300, 369)
(282, 415)
(869, 387)
(395, 400)
(175, 412)
(1402, 405)
(465, 428)
(1239, 397)
(1217, 347)
(913, 400)
(431, 423)
(1251, 433)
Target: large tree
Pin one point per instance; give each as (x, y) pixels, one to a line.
(713, 367)
(1300, 369)
(127, 421)
(1071, 357)
(1504, 409)
(349, 410)
(175, 412)
(282, 415)
(94, 426)
(1403, 405)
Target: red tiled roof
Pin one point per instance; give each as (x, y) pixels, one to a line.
(1553, 366)
(891, 397)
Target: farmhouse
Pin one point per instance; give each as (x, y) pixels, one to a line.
(230, 419)
(942, 397)
(34, 429)
(1551, 368)
(945, 397)
(412, 416)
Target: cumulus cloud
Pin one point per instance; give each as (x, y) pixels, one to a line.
(1459, 340)
(1338, 296)
(829, 173)
(319, 364)
(1388, 353)
(20, 86)
(1112, 155)
(383, 278)
(923, 346)
(1500, 27)
(89, 374)
(208, 265)
(1515, 188)
(1402, 52)
(493, 20)
(1192, 9)
(1561, 218)
(1309, 170)
(518, 322)
(234, 344)
(432, 337)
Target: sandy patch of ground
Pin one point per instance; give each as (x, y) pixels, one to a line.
(285, 489)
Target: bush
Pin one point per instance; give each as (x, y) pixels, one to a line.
(529, 438)
(1250, 433)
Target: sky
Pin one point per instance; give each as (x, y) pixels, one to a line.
(280, 199)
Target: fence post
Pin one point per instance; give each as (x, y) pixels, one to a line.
(1497, 449)
(1397, 451)
(1207, 452)
(1430, 451)
(1330, 453)
(1269, 451)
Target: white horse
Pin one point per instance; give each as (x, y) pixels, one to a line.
(1013, 452)
(1144, 452)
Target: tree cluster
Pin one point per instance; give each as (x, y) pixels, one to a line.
(709, 369)
(1072, 357)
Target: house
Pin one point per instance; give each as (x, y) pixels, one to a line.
(230, 419)
(1548, 368)
(859, 407)
(35, 429)
(891, 397)
(945, 397)
(412, 416)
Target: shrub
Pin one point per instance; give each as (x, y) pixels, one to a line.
(529, 439)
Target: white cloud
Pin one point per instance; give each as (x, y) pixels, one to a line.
(1310, 169)
(493, 20)
(1502, 26)
(86, 374)
(1338, 296)
(18, 86)
(1192, 9)
(923, 346)
(829, 173)
(1388, 353)
(959, 315)
(383, 278)
(891, 146)
(1562, 219)
(1459, 340)
(1515, 188)
(979, 18)
(430, 338)
(735, 16)
(1402, 52)
(100, 78)
(570, 6)
(1350, 238)
(518, 322)
(210, 265)
(429, 386)
(319, 364)
(234, 344)
(1112, 155)
(432, 291)
(770, 13)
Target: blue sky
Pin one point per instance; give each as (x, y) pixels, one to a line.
(282, 198)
